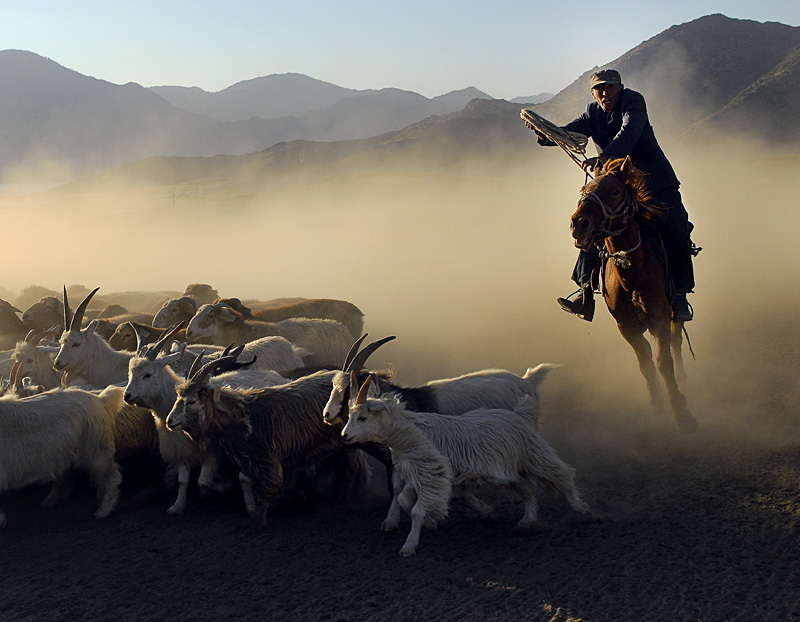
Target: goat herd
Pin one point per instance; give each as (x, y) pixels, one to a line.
(292, 404)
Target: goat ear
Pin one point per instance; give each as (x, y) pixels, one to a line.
(168, 359)
(226, 314)
(374, 387)
(364, 391)
(91, 327)
(189, 305)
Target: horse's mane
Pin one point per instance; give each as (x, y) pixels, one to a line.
(634, 181)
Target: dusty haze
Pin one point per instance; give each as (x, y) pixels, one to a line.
(464, 268)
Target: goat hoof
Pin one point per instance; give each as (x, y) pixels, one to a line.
(408, 551)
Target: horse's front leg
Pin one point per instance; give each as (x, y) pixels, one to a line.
(634, 335)
(677, 400)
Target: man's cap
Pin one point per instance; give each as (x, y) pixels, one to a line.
(605, 76)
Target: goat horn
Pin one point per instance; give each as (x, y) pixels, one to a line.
(33, 338)
(212, 367)
(235, 352)
(77, 319)
(231, 364)
(358, 362)
(152, 353)
(201, 374)
(362, 392)
(13, 378)
(141, 339)
(195, 365)
(67, 313)
(352, 352)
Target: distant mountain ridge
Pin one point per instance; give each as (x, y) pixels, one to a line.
(710, 75)
(52, 114)
(713, 89)
(533, 99)
(268, 97)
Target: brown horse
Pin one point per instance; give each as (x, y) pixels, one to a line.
(615, 214)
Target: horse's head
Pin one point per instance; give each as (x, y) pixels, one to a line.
(606, 202)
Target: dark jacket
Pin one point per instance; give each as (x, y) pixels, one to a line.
(626, 130)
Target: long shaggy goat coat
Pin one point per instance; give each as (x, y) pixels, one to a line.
(269, 430)
(52, 432)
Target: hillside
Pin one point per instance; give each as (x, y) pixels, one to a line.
(689, 71)
(766, 108)
(483, 130)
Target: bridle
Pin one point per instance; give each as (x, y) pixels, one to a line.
(622, 212)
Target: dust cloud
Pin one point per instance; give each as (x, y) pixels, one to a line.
(464, 267)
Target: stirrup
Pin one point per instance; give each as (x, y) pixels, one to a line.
(582, 307)
(691, 312)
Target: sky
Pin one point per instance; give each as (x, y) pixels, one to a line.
(506, 49)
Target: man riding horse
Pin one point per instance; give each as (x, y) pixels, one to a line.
(618, 124)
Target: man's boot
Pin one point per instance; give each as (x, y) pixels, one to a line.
(581, 303)
(681, 309)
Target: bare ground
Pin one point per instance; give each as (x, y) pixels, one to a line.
(705, 527)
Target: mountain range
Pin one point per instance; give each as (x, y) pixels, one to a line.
(49, 112)
(711, 75)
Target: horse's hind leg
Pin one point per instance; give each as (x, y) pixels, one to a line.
(644, 354)
(686, 422)
(676, 345)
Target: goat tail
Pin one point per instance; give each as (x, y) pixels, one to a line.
(535, 375)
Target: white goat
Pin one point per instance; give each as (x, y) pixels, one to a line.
(46, 435)
(488, 388)
(327, 340)
(494, 447)
(37, 357)
(18, 385)
(84, 356)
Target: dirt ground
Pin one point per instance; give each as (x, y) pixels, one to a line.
(703, 527)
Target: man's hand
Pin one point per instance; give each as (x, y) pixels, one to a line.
(592, 164)
(589, 164)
